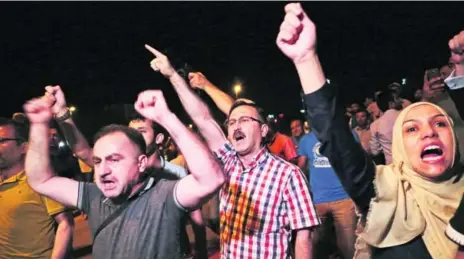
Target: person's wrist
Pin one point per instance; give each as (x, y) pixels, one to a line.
(165, 118)
(62, 115)
(309, 57)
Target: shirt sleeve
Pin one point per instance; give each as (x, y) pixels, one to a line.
(353, 166)
(225, 153)
(300, 208)
(290, 150)
(52, 206)
(88, 192)
(301, 149)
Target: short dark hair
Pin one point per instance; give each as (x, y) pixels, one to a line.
(138, 117)
(363, 111)
(384, 99)
(133, 135)
(21, 128)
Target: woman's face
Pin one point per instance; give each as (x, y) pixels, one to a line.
(428, 141)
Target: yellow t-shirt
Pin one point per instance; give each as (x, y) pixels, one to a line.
(27, 226)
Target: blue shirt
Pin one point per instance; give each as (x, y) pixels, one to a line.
(325, 185)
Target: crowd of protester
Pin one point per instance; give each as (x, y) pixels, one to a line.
(378, 179)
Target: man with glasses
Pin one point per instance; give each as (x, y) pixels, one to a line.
(31, 225)
(265, 199)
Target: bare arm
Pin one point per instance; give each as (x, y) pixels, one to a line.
(64, 235)
(206, 175)
(303, 244)
(194, 106)
(302, 163)
(222, 100)
(77, 142)
(39, 173)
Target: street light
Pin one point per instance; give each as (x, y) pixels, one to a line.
(237, 89)
(72, 109)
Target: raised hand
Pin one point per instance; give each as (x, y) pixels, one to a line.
(297, 35)
(152, 105)
(38, 110)
(198, 80)
(161, 62)
(59, 105)
(456, 45)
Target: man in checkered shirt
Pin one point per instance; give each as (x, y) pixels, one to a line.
(265, 200)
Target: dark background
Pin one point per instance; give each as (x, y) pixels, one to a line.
(95, 50)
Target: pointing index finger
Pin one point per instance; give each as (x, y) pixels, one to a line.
(154, 51)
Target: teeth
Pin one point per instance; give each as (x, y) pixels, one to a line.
(432, 147)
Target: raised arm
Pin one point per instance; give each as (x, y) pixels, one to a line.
(222, 100)
(39, 172)
(194, 106)
(206, 174)
(76, 140)
(297, 40)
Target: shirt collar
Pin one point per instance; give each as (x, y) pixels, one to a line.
(21, 176)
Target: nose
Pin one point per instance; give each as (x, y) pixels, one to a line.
(103, 169)
(428, 131)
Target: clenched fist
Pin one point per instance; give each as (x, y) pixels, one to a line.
(60, 101)
(39, 110)
(198, 80)
(152, 105)
(456, 45)
(297, 35)
(161, 62)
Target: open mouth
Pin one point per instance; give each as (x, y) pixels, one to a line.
(238, 135)
(432, 153)
(108, 184)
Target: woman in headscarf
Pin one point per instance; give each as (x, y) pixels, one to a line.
(407, 204)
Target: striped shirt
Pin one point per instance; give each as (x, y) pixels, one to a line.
(261, 205)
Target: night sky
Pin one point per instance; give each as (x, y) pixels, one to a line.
(95, 50)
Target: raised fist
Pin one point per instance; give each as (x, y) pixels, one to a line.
(38, 110)
(297, 35)
(161, 62)
(456, 45)
(198, 80)
(152, 105)
(60, 101)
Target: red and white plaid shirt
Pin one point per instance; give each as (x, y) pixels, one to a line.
(260, 206)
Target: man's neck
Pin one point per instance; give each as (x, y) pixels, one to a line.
(248, 159)
(154, 160)
(9, 172)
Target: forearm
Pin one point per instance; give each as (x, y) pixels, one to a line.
(63, 240)
(37, 165)
(222, 100)
(191, 102)
(201, 162)
(352, 165)
(311, 74)
(303, 246)
(76, 140)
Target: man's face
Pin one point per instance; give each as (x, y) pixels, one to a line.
(145, 127)
(245, 131)
(361, 118)
(354, 107)
(418, 94)
(445, 71)
(54, 140)
(11, 153)
(118, 164)
(297, 128)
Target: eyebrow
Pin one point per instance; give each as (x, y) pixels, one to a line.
(433, 117)
(109, 156)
